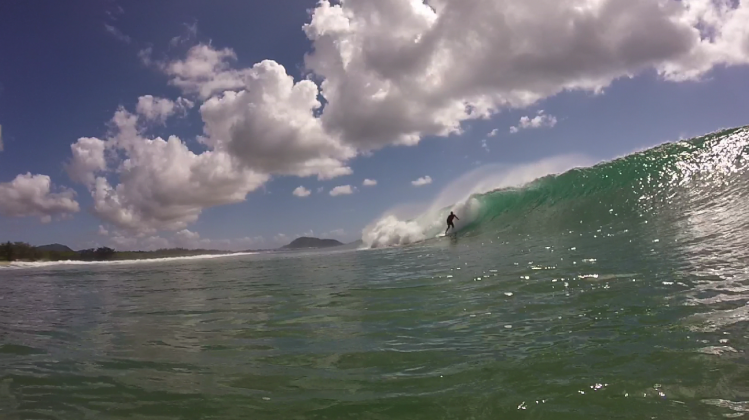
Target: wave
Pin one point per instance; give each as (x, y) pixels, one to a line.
(566, 190)
(38, 264)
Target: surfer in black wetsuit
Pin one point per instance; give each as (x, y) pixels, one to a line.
(450, 222)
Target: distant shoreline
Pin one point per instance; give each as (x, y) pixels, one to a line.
(26, 253)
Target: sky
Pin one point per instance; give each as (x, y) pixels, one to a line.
(242, 125)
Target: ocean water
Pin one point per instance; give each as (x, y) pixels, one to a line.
(617, 291)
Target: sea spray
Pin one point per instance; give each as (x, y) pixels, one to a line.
(390, 231)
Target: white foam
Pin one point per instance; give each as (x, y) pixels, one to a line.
(37, 264)
(402, 225)
(717, 350)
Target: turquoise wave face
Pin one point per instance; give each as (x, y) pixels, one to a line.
(675, 176)
(668, 177)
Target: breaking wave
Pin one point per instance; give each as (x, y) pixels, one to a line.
(565, 191)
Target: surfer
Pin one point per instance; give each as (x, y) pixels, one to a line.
(450, 222)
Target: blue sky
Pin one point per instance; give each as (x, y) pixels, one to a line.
(66, 68)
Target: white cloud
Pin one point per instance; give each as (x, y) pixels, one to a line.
(186, 239)
(271, 126)
(484, 145)
(159, 109)
(117, 34)
(162, 185)
(395, 71)
(493, 132)
(103, 231)
(88, 159)
(342, 190)
(541, 120)
(320, 189)
(425, 180)
(369, 182)
(301, 192)
(206, 71)
(31, 195)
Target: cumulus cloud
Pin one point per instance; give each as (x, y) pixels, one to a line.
(369, 182)
(103, 231)
(31, 195)
(484, 145)
(493, 132)
(342, 190)
(271, 126)
(425, 180)
(395, 71)
(159, 109)
(88, 159)
(541, 120)
(260, 115)
(160, 184)
(187, 239)
(301, 192)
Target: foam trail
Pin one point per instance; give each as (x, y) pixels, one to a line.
(38, 264)
(394, 229)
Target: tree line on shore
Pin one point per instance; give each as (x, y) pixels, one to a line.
(22, 251)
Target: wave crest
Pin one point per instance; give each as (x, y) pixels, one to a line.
(462, 197)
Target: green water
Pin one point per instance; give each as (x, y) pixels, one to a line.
(616, 292)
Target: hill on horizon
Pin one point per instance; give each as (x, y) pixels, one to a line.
(305, 242)
(55, 248)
